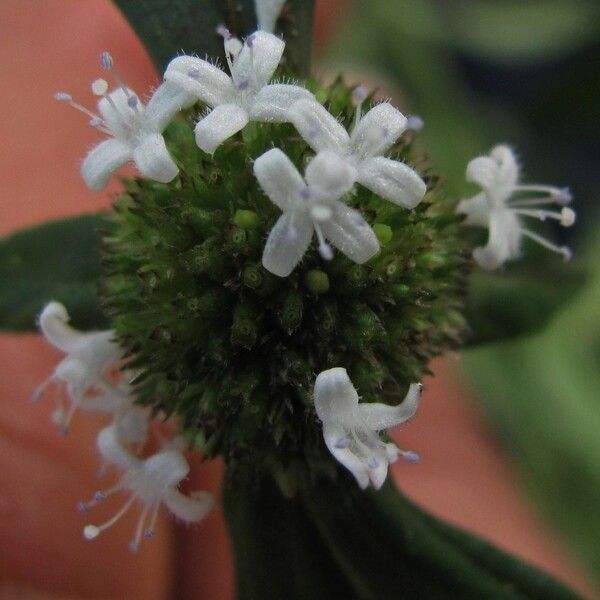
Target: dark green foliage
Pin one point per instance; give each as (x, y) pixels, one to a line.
(169, 27)
(367, 545)
(234, 350)
(520, 299)
(59, 260)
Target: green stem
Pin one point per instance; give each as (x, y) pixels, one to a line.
(334, 541)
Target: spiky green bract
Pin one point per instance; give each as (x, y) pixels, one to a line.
(233, 350)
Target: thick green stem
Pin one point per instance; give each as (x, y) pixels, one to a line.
(335, 541)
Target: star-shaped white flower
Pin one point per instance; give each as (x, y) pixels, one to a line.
(311, 206)
(243, 97)
(135, 130)
(85, 371)
(501, 205)
(363, 150)
(151, 482)
(351, 429)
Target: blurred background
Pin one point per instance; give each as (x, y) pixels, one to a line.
(509, 433)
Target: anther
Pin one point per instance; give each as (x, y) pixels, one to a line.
(100, 87)
(132, 101)
(414, 123)
(133, 547)
(562, 196)
(325, 251)
(148, 533)
(106, 61)
(194, 73)
(99, 496)
(63, 97)
(223, 32)
(410, 457)
(90, 532)
(358, 95)
(83, 507)
(250, 40)
(567, 217)
(305, 193)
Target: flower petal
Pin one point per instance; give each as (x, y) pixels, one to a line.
(392, 180)
(101, 161)
(200, 78)
(167, 467)
(350, 233)
(503, 243)
(330, 176)
(279, 179)
(477, 210)
(168, 99)
(380, 416)
(221, 123)
(114, 452)
(273, 102)
(334, 395)
(377, 131)
(267, 12)
(258, 63)
(153, 160)
(320, 129)
(192, 508)
(287, 243)
(333, 434)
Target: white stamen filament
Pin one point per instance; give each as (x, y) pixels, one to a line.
(566, 217)
(135, 543)
(358, 97)
(324, 248)
(555, 193)
(566, 253)
(92, 531)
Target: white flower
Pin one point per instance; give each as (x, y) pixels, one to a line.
(151, 482)
(310, 207)
(85, 372)
(243, 97)
(373, 135)
(134, 129)
(351, 429)
(501, 205)
(267, 13)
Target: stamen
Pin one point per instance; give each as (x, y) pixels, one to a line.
(223, 32)
(566, 252)
(92, 531)
(135, 543)
(64, 97)
(106, 61)
(150, 530)
(410, 457)
(561, 196)
(324, 248)
(566, 216)
(414, 123)
(99, 87)
(39, 392)
(108, 64)
(358, 97)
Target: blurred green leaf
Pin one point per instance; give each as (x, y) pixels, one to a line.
(541, 394)
(169, 27)
(518, 300)
(59, 260)
(515, 30)
(336, 541)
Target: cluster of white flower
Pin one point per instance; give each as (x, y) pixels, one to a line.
(309, 204)
(93, 380)
(501, 204)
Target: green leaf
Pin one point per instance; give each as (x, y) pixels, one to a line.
(518, 300)
(168, 27)
(541, 395)
(336, 541)
(59, 260)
